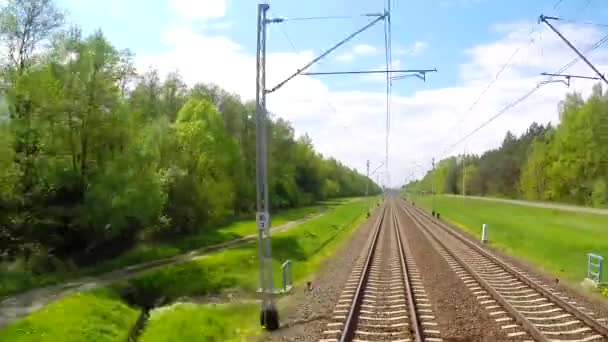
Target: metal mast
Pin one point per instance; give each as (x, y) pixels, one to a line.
(269, 316)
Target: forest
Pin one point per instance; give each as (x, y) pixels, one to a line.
(566, 162)
(95, 155)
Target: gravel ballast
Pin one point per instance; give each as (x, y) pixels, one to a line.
(305, 313)
(594, 303)
(458, 314)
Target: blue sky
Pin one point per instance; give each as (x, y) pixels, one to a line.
(466, 40)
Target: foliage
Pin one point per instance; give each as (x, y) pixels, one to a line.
(557, 241)
(190, 322)
(98, 315)
(18, 275)
(306, 245)
(94, 156)
(566, 163)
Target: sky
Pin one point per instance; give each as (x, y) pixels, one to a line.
(469, 42)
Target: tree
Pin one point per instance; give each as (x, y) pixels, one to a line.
(533, 178)
(24, 25)
(173, 95)
(93, 154)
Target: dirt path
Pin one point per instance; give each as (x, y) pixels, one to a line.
(17, 306)
(546, 205)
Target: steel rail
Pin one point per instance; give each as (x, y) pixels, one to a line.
(528, 326)
(351, 322)
(403, 246)
(585, 318)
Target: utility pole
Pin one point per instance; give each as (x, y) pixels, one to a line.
(367, 180)
(433, 187)
(269, 316)
(464, 168)
(545, 19)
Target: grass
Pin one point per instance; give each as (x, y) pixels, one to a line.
(306, 246)
(188, 322)
(18, 280)
(101, 316)
(97, 315)
(554, 240)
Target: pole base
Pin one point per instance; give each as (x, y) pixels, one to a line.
(269, 318)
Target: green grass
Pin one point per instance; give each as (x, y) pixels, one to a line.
(306, 246)
(97, 315)
(188, 322)
(15, 281)
(554, 240)
(101, 316)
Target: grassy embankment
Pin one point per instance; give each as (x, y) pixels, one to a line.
(557, 241)
(233, 270)
(18, 280)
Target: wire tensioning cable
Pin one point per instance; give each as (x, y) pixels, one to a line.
(295, 50)
(573, 21)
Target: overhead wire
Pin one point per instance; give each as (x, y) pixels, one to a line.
(295, 50)
(388, 62)
(491, 83)
(527, 95)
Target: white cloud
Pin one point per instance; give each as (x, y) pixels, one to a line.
(366, 50)
(345, 57)
(358, 50)
(415, 49)
(222, 25)
(349, 125)
(198, 9)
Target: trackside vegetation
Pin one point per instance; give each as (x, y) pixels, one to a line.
(556, 241)
(190, 322)
(562, 162)
(13, 281)
(98, 315)
(232, 271)
(96, 157)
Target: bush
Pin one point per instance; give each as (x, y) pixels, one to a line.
(599, 196)
(123, 199)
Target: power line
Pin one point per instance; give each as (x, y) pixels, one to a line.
(295, 50)
(293, 47)
(388, 62)
(545, 19)
(325, 53)
(504, 66)
(500, 71)
(525, 96)
(565, 67)
(557, 4)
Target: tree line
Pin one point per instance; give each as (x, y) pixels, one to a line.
(566, 163)
(94, 154)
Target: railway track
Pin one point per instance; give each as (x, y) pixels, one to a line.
(383, 299)
(524, 307)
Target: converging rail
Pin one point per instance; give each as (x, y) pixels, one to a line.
(523, 306)
(383, 300)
